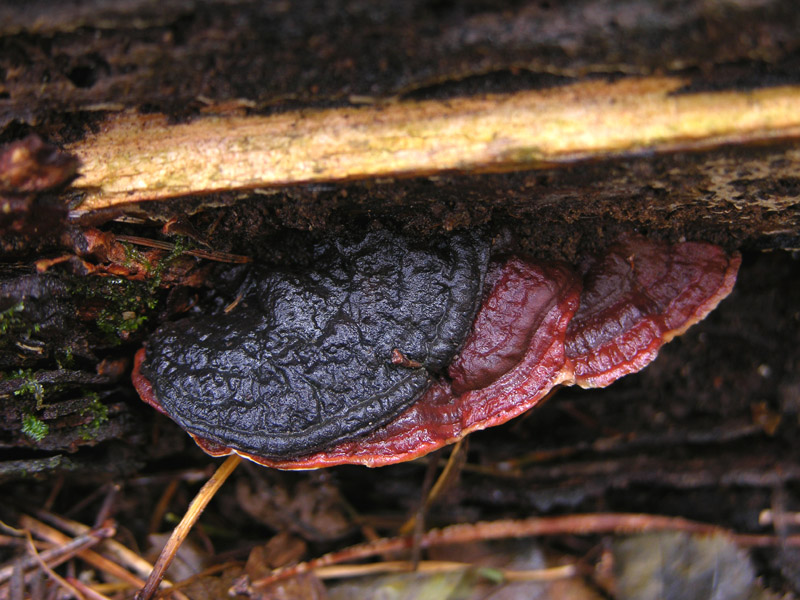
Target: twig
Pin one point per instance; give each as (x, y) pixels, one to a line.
(182, 529)
(106, 508)
(111, 547)
(617, 473)
(56, 556)
(537, 526)
(54, 491)
(161, 506)
(12, 530)
(47, 569)
(417, 521)
(123, 161)
(524, 465)
(440, 566)
(88, 592)
(451, 470)
(16, 586)
(90, 556)
(207, 254)
(88, 499)
(10, 540)
(186, 475)
(771, 517)
(173, 589)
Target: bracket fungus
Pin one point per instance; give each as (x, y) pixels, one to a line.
(308, 359)
(381, 354)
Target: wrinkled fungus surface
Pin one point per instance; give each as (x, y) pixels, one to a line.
(539, 326)
(520, 297)
(639, 295)
(442, 415)
(305, 359)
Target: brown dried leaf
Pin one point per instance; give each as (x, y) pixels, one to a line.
(311, 508)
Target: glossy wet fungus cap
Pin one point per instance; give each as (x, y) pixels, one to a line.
(524, 321)
(539, 326)
(305, 359)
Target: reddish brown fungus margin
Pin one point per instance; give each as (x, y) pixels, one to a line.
(540, 326)
(638, 296)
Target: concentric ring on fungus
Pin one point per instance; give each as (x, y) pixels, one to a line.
(538, 326)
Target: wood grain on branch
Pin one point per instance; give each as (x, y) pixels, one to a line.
(136, 157)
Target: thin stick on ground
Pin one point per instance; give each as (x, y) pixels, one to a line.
(111, 548)
(440, 566)
(431, 493)
(98, 561)
(50, 573)
(184, 527)
(174, 589)
(417, 522)
(88, 592)
(56, 556)
(161, 506)
(601, 523)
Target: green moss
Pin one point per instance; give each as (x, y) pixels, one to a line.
(65, 358)
(134, 258)
(119, 324)
(157, 271)
(99, 414)
(127, 303)
(10, 319)
(34, 427)
(14, 326)
(29, 387)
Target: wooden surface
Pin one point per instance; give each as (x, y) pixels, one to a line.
(145, 157)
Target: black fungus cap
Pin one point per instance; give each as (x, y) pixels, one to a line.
(305, 359)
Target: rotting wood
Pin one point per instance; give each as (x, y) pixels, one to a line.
(144, 157)
(85, 56)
